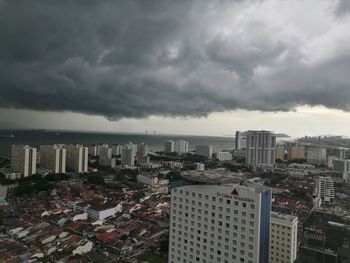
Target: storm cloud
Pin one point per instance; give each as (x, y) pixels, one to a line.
(136, 58)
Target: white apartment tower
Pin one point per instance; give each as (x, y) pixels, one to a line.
(324, 189)
(238, 140)
(205, 150)
(169, 146)
(142, 149)
(53, 157)
(127, 156)
(219, 223)
(342, 167)
(261, 149)
(316, 155)
(181, 146)
(283, 238)
(77, 158)
(23, 159)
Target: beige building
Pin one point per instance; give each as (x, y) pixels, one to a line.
(53, 157)
(77, 158)
(283, 238)
(280, 151)
(295, 152)
(23, 159)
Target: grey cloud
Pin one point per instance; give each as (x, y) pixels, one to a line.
(342, 8)
(131, 59)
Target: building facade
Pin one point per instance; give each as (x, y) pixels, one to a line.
(205, 150)
(77, 158)
(223, 156)
(324, 189)
(181, 146)
(283, 238)
(169, 146)
(238, 140)
(219, 223)
(260, 149)
(316, 155)
(295, 151)
(127, 156)
(342, 167)
(23, 159)
(53, 157)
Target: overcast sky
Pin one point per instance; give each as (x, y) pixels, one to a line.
(187, 67)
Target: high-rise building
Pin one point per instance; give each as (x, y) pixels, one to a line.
(142, 149)
(105, 156)
(283, 238)
(199, 166)
(280, 152)
(205, 150)
(127, 156)
(116, 149)
(316, 155)
(93, 150)
(342, 167)
(181, 146)
(169, 146)
(23, 160)
(295, 151)
(77, 158)
(220, 223)
(260, 149)
(238, 140)
(53, 157)
(324, 189)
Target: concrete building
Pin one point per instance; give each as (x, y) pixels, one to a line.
(223, 156)
(53, 157)
(261, 149)
(149, 179)
(142, 149)
(324, 189)
(199, 166)
(181, 146)
(283, 238)
(316, 155)
(205, 150)
(92, 150)
(238, 140)
(116, 149)
(23, 159)
(127, 156)
(77, 158)
(169, 146)
(280, 152)
(342, 167)
(219, 223)
(295, 151)
(105, 156)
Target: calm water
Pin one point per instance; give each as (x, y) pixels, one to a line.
(156, 142)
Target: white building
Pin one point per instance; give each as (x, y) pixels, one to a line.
(98, 212)
(223, 156)
(283, 238)
(148, 179)
(199, 166)
(261, 149)
(342, 167)
(23, 159)
(53, 157)
(116, 149)
(219, 223)
(105, 156)
(205, 150)
(77, 158)
(169, 146)
(127, 156)
(324, 188)
(316, 155)
(238, 140)
(181, 146)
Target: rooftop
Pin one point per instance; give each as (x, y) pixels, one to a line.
(214, 176)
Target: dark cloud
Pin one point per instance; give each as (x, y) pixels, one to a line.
(342, 8)
(136, 58)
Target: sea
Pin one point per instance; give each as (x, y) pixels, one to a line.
(36, 138)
